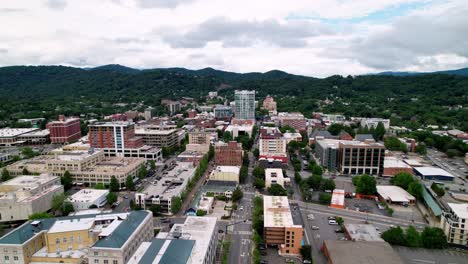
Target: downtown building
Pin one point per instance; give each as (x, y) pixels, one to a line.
(93, 238)
(272, 144)
(162, 135)
(228, 154)
(64, 130)
(270, 105)
(244, 104)
(454, 222)
(119, 139)
(295, 120)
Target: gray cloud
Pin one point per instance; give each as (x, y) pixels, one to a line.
(12, 10)
(413, 37)
(161, 3)
(246, 33)
(127, 40)
(56, 4)
(2, 50)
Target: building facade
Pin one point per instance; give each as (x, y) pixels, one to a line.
(228, 154)
(356, 158)
(276, 176)
(455, 224)
(159, 135)
(272, 144)
(245, 104)
(225, 173)
(64, 130)
(269, 104)
(222, 112)
(86, 198)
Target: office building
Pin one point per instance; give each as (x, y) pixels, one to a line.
(455, 224)
(202, 136)
(64, 130)
(95, 238)
(148, 114)
(222, 112)
(25, 195)
(119, 139)
(87, 198)
(356, 158)
(162, 191)
(173, 107)
(276, 176)
(225, 173)
(240, 129)
(295, 120)
(374, 122)
(228, 154)
(194, 241)
(245, 104)
(23, 136)
(85, 166)
(158, 135)
(270, 105)
(272, 144)
(279, 227)
(393, 166)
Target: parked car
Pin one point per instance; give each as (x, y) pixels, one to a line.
(263, 261)
(332, 222)
(310, 217)
(339, 230)
(263, 252)
(315, 228)
(331, 218)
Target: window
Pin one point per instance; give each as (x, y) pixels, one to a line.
(115, 262)
(15, 258)
(7, 258)
(96, 261)
(57, 241)
(95, 253)
(71, 239)
(106, 261)
(64, 240)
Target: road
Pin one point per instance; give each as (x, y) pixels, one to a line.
(454, 166)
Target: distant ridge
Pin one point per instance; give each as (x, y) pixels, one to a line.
(461, 72)
(115, 68)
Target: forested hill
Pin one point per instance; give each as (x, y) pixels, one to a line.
(32, 91)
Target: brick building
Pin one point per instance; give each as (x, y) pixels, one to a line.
(64, 130)
(228, 154)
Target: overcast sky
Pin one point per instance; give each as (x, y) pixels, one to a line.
(308, 37)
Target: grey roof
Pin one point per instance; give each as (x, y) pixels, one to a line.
(430, 201)
(123, 231)
(178, 251)
(363, 252)
(363, 137)
(321, 133)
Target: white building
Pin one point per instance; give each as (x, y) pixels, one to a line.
(25, 195)
(395, 194)
(206, 204)
(455, 224)
(85, 198)
(373, 122)
(193, 242)
(275, 176)
(225, 173)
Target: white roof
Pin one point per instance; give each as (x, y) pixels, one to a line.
(412, 162)
(392, 162)
(13, 132)
(72, 225)
(338, 197)
(429, 171)
(461, 210)
(394, 193)
(276, 211)
(88, 195)
(231, 169)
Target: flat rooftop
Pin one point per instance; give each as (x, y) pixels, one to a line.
(363, 232)
(392, 162)
(333, 143)
(461, 210)
(88, 195)
(24, 181)
(72, 155)
(433, 171)
(230, 169)
(163, 251)
(276, 212)
(362, 252)
(14, 132)
(394, 193)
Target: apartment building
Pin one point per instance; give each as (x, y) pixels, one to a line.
(455, 224)
(64, 130)
(119, 139)
(244, 104)
(295, 120)
(23, 136)
(160, 136)
(91, 167)
(161, 191)
(194, 241)
(272, 144)
(94, 238)
(228, 154)
(25, 195)
(201, 136)
(276, 176)
(279, 227)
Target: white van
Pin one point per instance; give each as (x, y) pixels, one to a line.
(332, 222)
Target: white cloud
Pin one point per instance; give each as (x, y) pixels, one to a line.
(240, 35)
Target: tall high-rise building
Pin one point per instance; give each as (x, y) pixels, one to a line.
(65, 130)
(245, 104)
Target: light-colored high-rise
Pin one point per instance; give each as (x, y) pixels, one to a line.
(245, 104)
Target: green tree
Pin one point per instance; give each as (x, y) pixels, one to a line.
(415, 189)
(201, 212)
(111, 197)
(277, 190)
(176, 204)
(317, 170)
(152, 164)
(314, 181)
(100, 186)
(306, 252)
(142, 172)
(244, 171)
(66, 180)
(114, 185)
(413, 238)
(297, 177)
(42, 215)
(227, 136)
(67, 208)
(259, 172)
(394, 144)
(325, 198)
(329, 184)
(129, 183)
(237, 195)
(57, 202)
(259, 183)
(379, 131)
(28, 152)
(335, 129)
(155, 209)
(211, 152)
(339, 220)
(437, 189)
(402, 179)
(6, 175)
(256, 153)
(366, 185)
(25, 172)
(395, 236)
(421, 149)
(434, 237)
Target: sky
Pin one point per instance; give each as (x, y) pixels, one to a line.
(307, 37)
